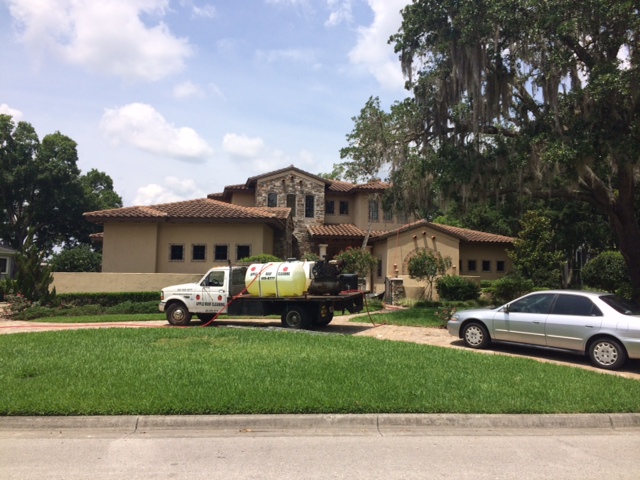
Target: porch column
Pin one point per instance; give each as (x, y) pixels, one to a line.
(323, 250)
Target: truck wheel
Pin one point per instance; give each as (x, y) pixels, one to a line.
(295, 317)
(325, 315)
(177, 314)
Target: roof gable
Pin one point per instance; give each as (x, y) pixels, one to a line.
(462, 234)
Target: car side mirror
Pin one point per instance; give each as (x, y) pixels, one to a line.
(505, 309)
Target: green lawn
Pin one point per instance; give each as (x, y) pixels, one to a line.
(153, 371)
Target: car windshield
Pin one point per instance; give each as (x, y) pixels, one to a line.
(621, 305)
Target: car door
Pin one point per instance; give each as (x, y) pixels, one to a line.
(572, 319)
(214, 292)
(523, 320)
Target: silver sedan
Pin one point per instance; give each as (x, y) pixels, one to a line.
(601, 325)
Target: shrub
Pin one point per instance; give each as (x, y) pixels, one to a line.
(262, 258)
(107, 299)
(454, 287)
(511, 286)
(357, 260)
(444, 314)
(608, 271)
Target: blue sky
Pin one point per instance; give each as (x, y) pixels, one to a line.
(175, 99)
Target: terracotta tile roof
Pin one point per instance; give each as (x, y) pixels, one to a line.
(462, 234)
(342, 187)
(372, 186)
(203, 208)
(342, 230)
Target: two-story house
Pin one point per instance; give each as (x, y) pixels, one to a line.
(287, 213)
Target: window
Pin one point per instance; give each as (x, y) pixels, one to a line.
(309, 206)
(291, 203)
(214, 279)
(221, 253)
(344, 207)
(272, 200)
(243, 251)
(4, 265)
(373, 210)
(379, 267)
(387, 215)
(575, 305)
(500, 266)
(330, 207)
(176, 253)
(486, 265)
(471, 266)
(198, 253)
(539, 303)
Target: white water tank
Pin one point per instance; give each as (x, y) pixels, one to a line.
(278, 279)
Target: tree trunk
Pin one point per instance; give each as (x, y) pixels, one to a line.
(624, 222)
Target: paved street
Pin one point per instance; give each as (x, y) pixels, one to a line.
(354, 453)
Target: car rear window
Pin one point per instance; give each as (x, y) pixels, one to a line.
(575, 305)
(621, 305)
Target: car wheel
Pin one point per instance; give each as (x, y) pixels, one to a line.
(178, 315)
(475, 335)
(205, 317)
(325, 315)
(607, 353)
(295, 317)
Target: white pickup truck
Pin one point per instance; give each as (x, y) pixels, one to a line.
(256, 291)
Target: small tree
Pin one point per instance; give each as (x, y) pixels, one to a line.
(534, 255)
(78, 259)
(426, 266)
(357, 260)
(33, 276)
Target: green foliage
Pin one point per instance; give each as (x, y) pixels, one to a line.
(262, 258)
(7, 287)
(426, 266)
(33, 276)
(608, 271)
(77, 259)
(456, 288)
(357, 260)
(310, 257)
(510, 287)
(41, 188)
(108, 299)
(444, 314)
(533, 255)
(516, 98)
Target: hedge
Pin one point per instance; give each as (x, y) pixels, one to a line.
(107, 299)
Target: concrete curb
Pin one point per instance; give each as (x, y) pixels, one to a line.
(324, 422)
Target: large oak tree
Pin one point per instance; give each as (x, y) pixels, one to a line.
(537, 97)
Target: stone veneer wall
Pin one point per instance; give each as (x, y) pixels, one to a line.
(300, 186)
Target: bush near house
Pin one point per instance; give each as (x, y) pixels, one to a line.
(509, 287)
(456, 288)
(608, 271)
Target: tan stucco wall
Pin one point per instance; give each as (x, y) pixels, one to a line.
(145, 247)
(258, 236)
(481, 252)
(244, 199)
(129, 247)
(336, 217)
(118, 282)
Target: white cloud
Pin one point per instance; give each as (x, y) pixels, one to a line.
(372, 51)
(103, 36)
(187, 89)
(297, 55)
(173, 189)
(340, 12)
(143, 127)
(242, 146)
(7, 110)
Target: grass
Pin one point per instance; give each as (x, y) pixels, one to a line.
(412, 317)
(154, 371)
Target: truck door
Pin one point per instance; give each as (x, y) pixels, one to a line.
(215, 291)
